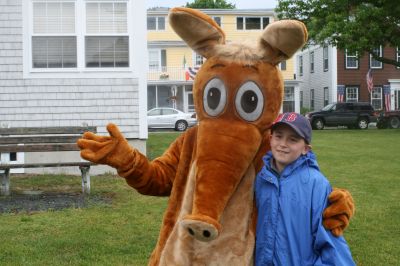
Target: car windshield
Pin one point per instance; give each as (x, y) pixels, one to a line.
(328, 107)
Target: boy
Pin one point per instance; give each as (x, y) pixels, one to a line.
(291, 194)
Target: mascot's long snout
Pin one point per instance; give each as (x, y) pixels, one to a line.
(228, 148)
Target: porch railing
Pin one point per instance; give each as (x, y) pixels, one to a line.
(168, 73)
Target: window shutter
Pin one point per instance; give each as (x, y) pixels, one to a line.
(163, 58)
(239, 23)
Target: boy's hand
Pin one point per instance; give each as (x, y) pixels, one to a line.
(113, 150)
(337, 215)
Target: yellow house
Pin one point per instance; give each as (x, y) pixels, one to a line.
(171, 61)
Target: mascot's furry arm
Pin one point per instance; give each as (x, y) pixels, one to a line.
(337, 216)
(155, 178)
(151, 178)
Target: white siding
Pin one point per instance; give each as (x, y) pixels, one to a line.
(63, 101)
(93, 98)
(318, 79)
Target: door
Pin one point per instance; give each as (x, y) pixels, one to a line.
(188, 102)
(346, 115)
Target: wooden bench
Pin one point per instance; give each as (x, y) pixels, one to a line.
(42, 139)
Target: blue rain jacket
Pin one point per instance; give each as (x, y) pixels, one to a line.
(289, 225)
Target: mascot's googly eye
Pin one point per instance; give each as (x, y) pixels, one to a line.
(249, 101)
(214, 97)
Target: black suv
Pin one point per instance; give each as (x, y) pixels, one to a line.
(350, 114)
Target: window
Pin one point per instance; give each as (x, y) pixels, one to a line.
(376, 98)
(301, 65)
(55, 34)
(53, 37)
(373, 62)
(288, 100)
(326, 96)
(104, 19)
(198, 59)
(154, 112)
(251, 23)
(13, 156)
(217, 20)
(155, 23)
(157, 59)
(398, 55)
(283, 65)
(106, 51)
(325, 58)
(312, 99)
(312, 62)
(169, 112)
(351, 60)
(351, 94)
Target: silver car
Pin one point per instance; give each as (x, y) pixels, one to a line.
(165, 117)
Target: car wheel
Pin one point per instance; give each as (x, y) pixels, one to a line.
(181, 125)
(362, 123)
(318, 124)
(394, 122)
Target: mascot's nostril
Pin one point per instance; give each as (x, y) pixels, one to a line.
(191, 232)
(206, 233)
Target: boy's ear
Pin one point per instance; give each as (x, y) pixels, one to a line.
(307, 148)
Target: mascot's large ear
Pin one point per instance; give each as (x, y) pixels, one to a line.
(281, 39)
(197, 29)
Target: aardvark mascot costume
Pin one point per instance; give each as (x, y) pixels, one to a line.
(208, 172)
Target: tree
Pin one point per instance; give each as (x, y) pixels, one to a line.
(358, 26)
(213, 4)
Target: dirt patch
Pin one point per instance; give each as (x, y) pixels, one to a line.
(31, 201)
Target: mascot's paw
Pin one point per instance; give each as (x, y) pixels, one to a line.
(112, 150)
(338, 214)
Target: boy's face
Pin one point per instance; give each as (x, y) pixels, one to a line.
(287, 146)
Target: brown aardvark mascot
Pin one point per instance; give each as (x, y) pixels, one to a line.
(208, 171)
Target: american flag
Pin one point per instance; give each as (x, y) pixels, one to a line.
(191, 72)
(370, 80)
(340, 93)
(386, 93)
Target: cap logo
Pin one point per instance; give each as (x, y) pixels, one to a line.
(291, 117)
(287, 117)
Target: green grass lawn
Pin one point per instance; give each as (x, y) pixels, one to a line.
(124, 233)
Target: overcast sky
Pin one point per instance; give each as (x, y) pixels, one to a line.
(241, 4)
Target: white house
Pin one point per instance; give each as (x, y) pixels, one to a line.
(73, 63)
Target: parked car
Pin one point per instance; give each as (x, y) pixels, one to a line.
(389, 119)
(350, 114)
(165, 117)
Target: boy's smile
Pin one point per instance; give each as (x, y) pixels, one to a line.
(287, 146)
